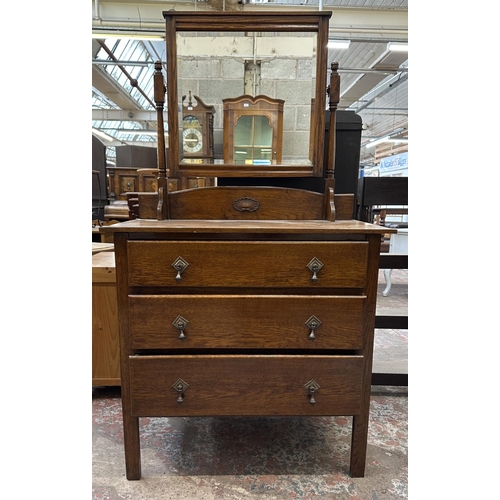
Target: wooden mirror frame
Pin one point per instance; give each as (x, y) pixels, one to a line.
(316, 22)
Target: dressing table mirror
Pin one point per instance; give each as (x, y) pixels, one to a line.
(225, 58)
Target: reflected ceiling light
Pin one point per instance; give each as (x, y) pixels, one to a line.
(136, 131)
(127, 35)
(387, 138)
(139, 132)
(339, 44)
(397, 47)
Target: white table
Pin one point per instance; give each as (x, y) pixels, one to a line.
(397, 244)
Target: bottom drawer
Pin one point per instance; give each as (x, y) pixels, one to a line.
(211, 385)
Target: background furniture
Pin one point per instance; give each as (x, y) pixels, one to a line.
(131, 181)
(105, 343)
(398, 244)
(99, 181)
(123, 180)
(135, 156)
(389, 194)
(381, 193)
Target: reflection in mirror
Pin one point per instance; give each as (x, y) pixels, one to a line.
(191, 135)
(253, 136)
(225, 66)
(196, 139)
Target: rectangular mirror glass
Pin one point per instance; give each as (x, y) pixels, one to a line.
(219, 66)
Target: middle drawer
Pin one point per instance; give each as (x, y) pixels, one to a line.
(247, 322)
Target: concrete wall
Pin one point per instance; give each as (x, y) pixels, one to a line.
(214, 77)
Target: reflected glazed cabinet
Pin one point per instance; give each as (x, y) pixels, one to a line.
(242, 318)
(253, 130)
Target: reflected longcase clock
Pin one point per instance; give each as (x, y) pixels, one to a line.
(197, 130)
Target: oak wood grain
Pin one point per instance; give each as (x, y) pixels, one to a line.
(256, 227)
(245, 385)
(218, 204)
(272, 203)
(233, 321)
(105, 343)
(359, 440)
(248, 264)
(131, 436)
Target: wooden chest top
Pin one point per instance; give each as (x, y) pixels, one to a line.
(258, 226)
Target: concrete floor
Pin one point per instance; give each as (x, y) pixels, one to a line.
(391, 346)
(264, 457)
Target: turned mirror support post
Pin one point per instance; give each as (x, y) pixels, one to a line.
(159, 95)
(333, 92)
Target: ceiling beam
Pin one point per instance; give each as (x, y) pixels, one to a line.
(146, 16)
(111, 89)
(124, 115)
(388, 61)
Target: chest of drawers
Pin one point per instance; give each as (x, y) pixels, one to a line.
(231, 318)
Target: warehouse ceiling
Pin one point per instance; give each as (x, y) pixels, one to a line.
(374, 77)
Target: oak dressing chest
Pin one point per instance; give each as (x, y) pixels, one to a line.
(245, 301)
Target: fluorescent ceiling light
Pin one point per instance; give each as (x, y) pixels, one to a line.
(397, 47)
(396, 140)
(387, 138)
(377, 141)
(339, 44)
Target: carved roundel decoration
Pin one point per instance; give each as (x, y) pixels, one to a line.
(246, 204)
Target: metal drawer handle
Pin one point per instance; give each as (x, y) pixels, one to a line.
(315, 266)
(313, 323)
(180, 266)
(181, 387)
(180, 323)
(312, 387)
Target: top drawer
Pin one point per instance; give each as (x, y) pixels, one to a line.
(247, 264)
